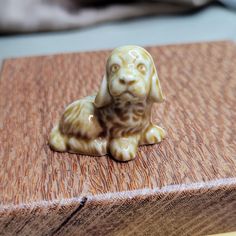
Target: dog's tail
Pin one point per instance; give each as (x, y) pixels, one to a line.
(57, 141)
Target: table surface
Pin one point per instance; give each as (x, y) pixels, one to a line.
(199, 115)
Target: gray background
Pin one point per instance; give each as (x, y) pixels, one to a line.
(212, 23)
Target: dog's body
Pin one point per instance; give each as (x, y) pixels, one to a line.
(123, 119)
(118, 118)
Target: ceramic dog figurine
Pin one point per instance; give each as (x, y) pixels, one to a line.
(118, 119)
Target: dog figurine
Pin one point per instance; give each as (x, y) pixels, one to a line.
(118, 119)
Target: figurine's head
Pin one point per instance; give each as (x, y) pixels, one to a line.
(130, 76)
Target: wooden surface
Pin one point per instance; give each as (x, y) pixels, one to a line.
(184, 186)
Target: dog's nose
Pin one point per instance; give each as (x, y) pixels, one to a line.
(127, 80)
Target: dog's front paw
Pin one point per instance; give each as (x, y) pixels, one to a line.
(153, 134)
(124, 149)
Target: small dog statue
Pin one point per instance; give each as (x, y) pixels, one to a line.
(118, 119)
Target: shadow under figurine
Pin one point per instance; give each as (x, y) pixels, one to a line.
(118, 119)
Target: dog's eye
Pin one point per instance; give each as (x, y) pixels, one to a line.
(115, 68)
(141, 67)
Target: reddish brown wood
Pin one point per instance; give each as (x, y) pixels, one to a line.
(184, 186)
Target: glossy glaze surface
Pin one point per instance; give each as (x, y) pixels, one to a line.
(118, 119)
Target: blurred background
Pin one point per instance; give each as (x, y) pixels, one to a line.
(39, 27)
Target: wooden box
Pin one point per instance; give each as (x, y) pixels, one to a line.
(184, 186)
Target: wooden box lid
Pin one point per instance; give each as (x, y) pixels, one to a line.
(186, 184)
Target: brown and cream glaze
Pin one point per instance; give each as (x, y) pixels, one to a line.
(118, 118)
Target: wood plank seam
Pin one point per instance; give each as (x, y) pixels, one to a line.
(67, 220)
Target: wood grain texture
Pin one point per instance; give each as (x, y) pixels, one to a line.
(184, 186)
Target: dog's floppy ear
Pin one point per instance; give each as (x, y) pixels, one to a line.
(155, 93)
(103, 97)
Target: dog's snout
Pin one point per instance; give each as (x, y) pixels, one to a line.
(127, 80)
